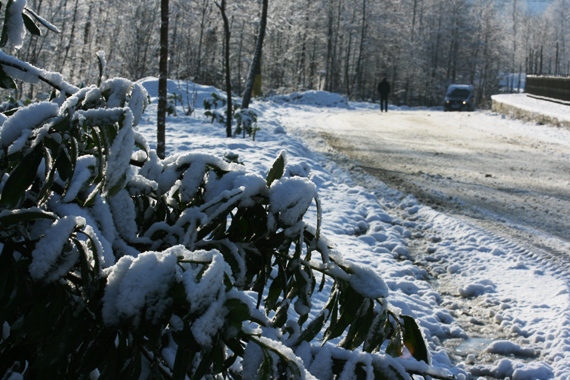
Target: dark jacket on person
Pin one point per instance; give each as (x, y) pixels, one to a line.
(384, 88)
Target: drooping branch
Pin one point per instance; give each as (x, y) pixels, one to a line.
(31, 74)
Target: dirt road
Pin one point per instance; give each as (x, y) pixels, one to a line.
(509, 177)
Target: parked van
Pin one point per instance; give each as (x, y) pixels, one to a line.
(459, 97)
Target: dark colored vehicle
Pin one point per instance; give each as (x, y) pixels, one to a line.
(459, 97)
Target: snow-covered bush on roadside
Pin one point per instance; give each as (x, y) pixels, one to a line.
(117, 264)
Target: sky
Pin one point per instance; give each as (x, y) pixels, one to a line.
(538, 6)
(495, 309)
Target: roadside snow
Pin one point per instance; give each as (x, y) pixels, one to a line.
(525, 298)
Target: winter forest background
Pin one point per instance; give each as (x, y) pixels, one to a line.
(116, 262)
(342, 46)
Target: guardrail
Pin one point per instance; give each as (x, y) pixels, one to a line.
(548, 87)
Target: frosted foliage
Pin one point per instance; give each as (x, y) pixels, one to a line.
(50, 259)
(250, 184)
(102, 214)
(252, 358)
(188, 222)
(204, 288)
(158, 171)
(21, 141)
(367, 282)
(290, 198)
(322, 365)
(209, 324)
(122, 93)
(26, 119)
(102, 246)
(85, 165)
(140, 285)
(92, 96)
(192, 178)
(92, 223)
(31, 74)
(120, 153)
(15, 23)
(289, 354)
(119, 89)
(138, 102)
(124, 216)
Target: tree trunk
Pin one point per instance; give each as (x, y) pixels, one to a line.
(162, 81)
(359, 67)
(254, 77)
(222, 7)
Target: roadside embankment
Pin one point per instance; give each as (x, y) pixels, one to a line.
(524, 107)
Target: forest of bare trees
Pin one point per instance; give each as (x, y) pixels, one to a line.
(344, 46)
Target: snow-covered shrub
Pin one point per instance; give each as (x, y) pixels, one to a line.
(116, 264)
(245, 118)
(246, 122)
(212, 106)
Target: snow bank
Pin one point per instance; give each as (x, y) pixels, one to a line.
(321, 99)
(524, 107)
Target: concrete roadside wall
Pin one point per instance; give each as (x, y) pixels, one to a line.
(520, 106)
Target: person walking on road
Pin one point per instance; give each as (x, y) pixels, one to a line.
(384, 90)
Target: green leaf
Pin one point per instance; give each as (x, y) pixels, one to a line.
(66, 160)
(390, 373)
(358, 329)
(350, 301)
(295, 370)
(237, 310)
(395, 345)
(204, 365)
(313, 329)
(47, 187)
(31, 25)
(6, 81)
(278, 169)
(4, 36)
(41, 20)
(281, 315)
(22, 216)
(414, 340)
(21, 178)
(275, 289)
(181, 363)
(376, 334)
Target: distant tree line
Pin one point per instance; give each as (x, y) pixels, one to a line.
(343, 46)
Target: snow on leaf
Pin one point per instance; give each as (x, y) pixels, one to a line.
(138, 102)
(15, 22)
(290, 198)
(190, 182)
(120, 154)
(124, 216)
(84, 168)
(140, 285)
(50, 249)
(367, 282)
(204, 288)
(205, 327)
(25, 120)
(251, 184)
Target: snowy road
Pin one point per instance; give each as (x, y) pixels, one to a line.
(509, 177)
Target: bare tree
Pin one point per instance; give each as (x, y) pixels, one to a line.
(222, 7)
(254, 77)
(162, 81)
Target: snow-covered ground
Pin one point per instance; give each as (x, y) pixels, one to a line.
(486, 306)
